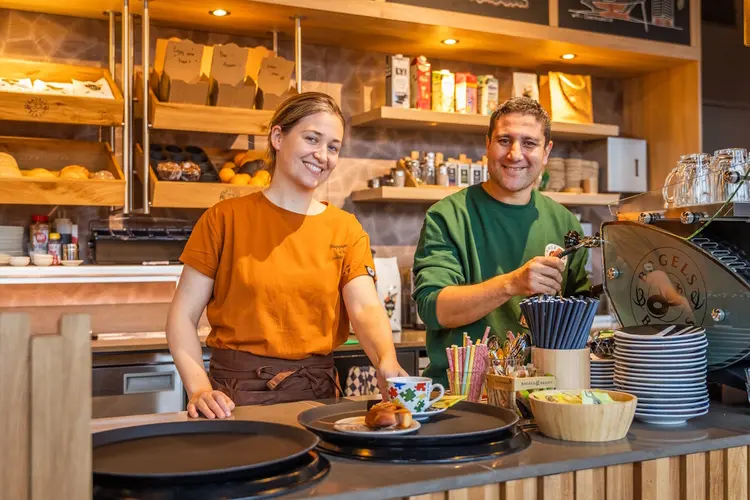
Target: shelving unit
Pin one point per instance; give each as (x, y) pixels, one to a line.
(211, 119)
(400, 118)
(54, 154)
(181, 194)
(34, 275)
(52, 108)
(432, 194)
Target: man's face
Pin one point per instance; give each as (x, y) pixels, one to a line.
(516, 152)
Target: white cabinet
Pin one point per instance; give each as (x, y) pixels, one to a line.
(623, 164)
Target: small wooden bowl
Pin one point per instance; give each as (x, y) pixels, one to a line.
(586, 423)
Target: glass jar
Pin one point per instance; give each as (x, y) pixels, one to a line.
(729, 167)
(39, 234)
(697, 181)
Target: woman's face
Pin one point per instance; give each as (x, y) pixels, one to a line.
(308, 153)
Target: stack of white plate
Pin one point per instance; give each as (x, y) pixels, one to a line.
(665, 367)
(11, 240)
(602, 373)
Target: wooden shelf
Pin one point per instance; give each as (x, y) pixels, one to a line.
(392, 28)
(34, 275)
(48, 108)
(54, 154)
(214, 119)
(181, 194)
(431, 194)
(400, 118)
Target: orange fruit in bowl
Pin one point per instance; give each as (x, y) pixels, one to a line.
(226, 174)
(238, 158)
(229, 164)
(240, 180)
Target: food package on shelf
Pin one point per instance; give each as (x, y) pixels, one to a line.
(443, 91)
(420, 93)
(231, 86)
(397, 83)
(526, 85)
(274, 80)
(181, 71)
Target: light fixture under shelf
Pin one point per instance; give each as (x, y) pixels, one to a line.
(449, 41)
(219, 12)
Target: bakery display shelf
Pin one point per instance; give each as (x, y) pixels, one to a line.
(212, 119)
(431, 194)
(34, 275)
(52, 108)
(401, 118)
(183, 194)
(53, 155)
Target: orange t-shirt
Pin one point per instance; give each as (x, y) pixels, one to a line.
(278, 275)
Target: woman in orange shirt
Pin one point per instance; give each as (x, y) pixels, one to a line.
(282, 275)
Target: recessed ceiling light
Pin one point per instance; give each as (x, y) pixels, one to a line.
(450, 41)
(568, 57)
(219, 12)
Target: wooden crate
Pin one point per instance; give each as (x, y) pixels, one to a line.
(19, 106)
(213, 119)
(54, 154)
(501, 390)
(181, 194)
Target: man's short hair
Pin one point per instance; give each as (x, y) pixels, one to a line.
(524, 106)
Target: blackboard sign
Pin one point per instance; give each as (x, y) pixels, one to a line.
(660, 20)
(530, 11)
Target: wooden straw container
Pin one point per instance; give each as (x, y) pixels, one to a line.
(585, 423)
(570, 367)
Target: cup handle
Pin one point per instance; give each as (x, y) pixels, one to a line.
(442, 393)
(665, 190)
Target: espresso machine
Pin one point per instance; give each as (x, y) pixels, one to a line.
(681, 255)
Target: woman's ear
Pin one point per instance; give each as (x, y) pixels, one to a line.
(276, 137)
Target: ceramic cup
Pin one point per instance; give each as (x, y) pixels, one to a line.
(413, 392)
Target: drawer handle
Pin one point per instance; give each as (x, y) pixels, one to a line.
(140, 383)
(636, 167)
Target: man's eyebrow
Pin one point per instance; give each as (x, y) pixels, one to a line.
(511, 136)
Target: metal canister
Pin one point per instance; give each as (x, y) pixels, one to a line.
(70, 251)
(399, 177)
(442, 176)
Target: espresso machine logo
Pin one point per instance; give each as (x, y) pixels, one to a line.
(668, 287)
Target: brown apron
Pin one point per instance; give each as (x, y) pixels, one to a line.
(256, 380)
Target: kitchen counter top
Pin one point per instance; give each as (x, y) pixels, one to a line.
(157, 341)
(723, 427)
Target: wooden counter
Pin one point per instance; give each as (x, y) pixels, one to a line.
(707, 458)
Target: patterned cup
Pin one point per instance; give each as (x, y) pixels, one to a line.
(413, 392)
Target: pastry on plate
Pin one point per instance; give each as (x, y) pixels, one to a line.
(387, 414)
(169, 171)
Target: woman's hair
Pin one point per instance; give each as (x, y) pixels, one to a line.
(291, 111)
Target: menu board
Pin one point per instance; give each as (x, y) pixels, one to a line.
(660, 20)
(530, 11)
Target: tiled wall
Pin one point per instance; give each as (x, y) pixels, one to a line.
(357, 77)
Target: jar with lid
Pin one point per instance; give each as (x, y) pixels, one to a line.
(428, 170)
(64, 227)
(55, 248)
(39, 234)
(442, 176)
(399, 177)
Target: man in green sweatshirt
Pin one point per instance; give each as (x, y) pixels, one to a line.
(482, 250)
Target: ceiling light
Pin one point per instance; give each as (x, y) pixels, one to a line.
(219, 12)
(568, 57)
(450, 41)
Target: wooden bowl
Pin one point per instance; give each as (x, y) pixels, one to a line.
(586, 423)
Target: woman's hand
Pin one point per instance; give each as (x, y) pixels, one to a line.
(388, 368)
(212, 404)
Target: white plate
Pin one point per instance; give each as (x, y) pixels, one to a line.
(667, 396)
(71, 263)
(660, 380)
(671, 403)
(654, 375)
(669, 410)
(667, 333)
(356, 426)
(662, 359)
(659, 389)
(668, 350)
(661, 345)
(666, 419)
(426, 415)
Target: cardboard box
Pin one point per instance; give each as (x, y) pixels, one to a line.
(274, 80)
(420, 94)
(443, 91)
(230, 85)
(525, 85)
(397, 81)
(471, 93)
(182, 78)
(487, 90)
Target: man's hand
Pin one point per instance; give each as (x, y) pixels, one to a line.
(388, 368)
(539, 275)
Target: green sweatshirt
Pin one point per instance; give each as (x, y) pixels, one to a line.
(470, 237)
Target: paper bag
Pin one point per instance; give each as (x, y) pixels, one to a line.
(567, 97)
(230, 85)
(389, 289)
(182, 79)
(274, 78)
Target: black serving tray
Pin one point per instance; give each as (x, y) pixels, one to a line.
(196, 451)
(464, 423)
(502, 445)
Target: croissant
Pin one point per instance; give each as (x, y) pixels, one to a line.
(387, 414)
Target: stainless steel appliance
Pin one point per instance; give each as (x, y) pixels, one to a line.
(623, 164)
(134, 384)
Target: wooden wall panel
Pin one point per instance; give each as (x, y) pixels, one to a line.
(620, 482)
(664, 107)
(715, 474)
(693, 476)
(591, 484)
(523, 489)
(558, 487)
(735, 472)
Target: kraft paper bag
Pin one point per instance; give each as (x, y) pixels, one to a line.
(567, 97)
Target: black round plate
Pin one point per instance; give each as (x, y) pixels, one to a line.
(507, 444)
(197, 450)
(303, 473)
(463, 423)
